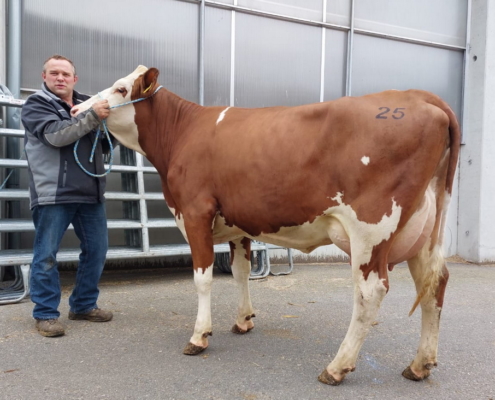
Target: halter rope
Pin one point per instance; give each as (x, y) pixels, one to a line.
(107, 135)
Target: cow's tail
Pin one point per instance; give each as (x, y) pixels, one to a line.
(431, 255)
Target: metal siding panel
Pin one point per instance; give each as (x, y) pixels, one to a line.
(381, 64)
(106, 45)
(217, 57)
(339, 12)
(307, 9)
(277, 62)
(335, 64)
(442, 21)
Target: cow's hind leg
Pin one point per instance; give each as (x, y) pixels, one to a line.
(430, 276)
(370, 287)
(241, 269)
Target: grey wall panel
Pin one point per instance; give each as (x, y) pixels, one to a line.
(217, 56)
(106, 45)
(277, 62)
(306, 9)
(381, 64)
(335, 64)
(442, 21)
(339, 12)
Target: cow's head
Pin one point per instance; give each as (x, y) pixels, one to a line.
(139, 84)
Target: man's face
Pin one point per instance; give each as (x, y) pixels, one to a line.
(59, 78)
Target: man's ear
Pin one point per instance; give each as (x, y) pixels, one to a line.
(149, 79)
(76, 78)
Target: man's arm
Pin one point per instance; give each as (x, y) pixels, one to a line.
(41, 119)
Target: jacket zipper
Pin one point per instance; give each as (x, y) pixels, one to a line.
(64, 180)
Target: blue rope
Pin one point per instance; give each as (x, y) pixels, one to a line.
(105, 129)
(110, 163)
(6, 179)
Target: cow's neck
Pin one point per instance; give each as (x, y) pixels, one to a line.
(162, 125)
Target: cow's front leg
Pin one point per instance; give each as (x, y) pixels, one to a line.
(240, 251)
(200, 239)
(202, 328)
(369, 291)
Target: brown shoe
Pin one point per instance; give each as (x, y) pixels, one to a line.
(95, 315)
(50, 327)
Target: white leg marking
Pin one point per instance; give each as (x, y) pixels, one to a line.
(368, 295)
(222, 115)
(425, 269)
(365, 160)
(203, 321)
(241, 269)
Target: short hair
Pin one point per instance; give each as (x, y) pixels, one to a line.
(59, 57)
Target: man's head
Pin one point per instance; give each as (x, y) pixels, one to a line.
(59, 75)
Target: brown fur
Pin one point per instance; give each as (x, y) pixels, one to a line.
(203, 179)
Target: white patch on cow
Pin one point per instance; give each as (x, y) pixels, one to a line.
(120, 122)
(223, 233)
(446, 202)
(241, 270)
(179, 220)
(338, 224)
(222, 115)
(364, 236)
(368, 295)
(203, 281)
(416, 231)
(365, 160)
(368, 291)
(124, 116)
(425, 269)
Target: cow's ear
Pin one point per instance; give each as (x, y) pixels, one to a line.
(149, 79)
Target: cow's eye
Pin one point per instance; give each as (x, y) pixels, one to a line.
(122, 91)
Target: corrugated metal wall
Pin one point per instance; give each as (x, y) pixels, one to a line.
(257, 53)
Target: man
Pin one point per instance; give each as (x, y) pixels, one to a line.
(61, 193)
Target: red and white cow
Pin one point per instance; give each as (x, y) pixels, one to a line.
(371, 174)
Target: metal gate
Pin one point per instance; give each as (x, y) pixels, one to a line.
(135, 223)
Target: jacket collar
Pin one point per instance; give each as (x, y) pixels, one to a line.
(76, 96)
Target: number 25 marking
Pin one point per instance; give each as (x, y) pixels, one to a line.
(396, 114)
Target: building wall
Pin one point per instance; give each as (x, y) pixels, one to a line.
(252, 61)
(476, 223)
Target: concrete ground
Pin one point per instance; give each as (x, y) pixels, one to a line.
(300, 322)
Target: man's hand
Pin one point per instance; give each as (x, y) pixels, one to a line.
(102, 109)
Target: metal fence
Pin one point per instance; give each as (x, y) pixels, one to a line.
(138, 238)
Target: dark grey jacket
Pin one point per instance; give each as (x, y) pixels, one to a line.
(50, 136)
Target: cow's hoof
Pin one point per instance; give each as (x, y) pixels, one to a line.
(409, 374)
(328, 379)
(237, 329)
(192, 349)
(246, 326)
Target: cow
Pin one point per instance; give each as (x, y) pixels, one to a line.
(372, 175)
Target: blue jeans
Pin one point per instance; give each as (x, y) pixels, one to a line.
(51, 222)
